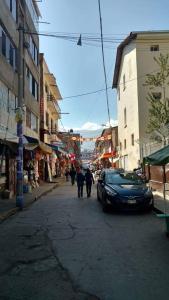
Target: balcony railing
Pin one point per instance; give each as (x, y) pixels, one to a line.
(51, 99)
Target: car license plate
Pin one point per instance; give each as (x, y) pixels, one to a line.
(131, 201)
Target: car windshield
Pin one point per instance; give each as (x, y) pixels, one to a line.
(123, 178)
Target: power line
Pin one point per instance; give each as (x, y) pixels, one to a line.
(85, 94)
(104, 67)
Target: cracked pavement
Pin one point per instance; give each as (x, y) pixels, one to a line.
(65, 248)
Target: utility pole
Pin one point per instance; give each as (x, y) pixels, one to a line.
(19, 120)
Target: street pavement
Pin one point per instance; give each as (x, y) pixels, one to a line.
(63, 247)
(8, 206)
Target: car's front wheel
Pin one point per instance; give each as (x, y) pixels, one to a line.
(105, 205)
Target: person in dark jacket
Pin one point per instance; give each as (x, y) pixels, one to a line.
(89, 180)
(72, 174)
(80, 178)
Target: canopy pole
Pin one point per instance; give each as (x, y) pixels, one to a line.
(164, 191)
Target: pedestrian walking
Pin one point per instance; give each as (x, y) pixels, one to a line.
(89, 180)
(72, 174)
(67, 174)
(80, 178)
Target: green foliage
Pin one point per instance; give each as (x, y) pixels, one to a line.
(159, 108)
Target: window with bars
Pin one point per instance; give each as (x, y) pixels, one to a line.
(124, 82)
(47, 119)
(154, 48)
(125, 117)
(132, 139)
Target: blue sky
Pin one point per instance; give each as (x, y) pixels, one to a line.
(79, 69)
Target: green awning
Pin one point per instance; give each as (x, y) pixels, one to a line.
(158, 158)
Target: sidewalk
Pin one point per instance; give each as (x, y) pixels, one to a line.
(8, 206)
(160, 205)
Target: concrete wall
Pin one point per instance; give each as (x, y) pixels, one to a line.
(128, 99)
(137, 61)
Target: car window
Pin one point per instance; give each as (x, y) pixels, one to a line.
(102, 176)
(123, 178)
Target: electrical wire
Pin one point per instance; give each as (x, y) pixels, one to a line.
(103, 58)
(85, 94)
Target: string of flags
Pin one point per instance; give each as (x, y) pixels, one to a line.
(94, 139)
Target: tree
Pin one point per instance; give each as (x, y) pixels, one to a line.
(158, 122)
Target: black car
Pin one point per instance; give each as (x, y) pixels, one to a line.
(125, 191)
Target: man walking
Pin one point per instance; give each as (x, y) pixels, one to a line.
(89, 180)
(80, 182)
(72, 174)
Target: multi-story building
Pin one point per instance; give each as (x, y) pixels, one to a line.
(12, 14)
(49, 108)
(135, 59)
(106, 146)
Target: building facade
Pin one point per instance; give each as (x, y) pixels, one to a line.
(49, 108)
(12, 14)
(106, 147)
(135, 59)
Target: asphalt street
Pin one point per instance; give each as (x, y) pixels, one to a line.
(65, 248)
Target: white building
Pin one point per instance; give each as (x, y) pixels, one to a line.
(135, 59)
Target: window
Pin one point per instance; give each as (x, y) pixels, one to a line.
(31, 120)
(11, 103)
(51, 125)
(28, 118)
(7, 48)
(3, 97)
(47, 119)
(33, 13)
(156, 96)
(124, 82)
(34, 123)
(120, 146)
(124, 143)
(154, 48)
(118, 92)
(46, 88)
(132, 139)
(33, 50)
(12, 7)
(3, 43)
(27, 72)
(33, 85)
(125, 117)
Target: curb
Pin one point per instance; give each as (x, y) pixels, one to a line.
(13, 211)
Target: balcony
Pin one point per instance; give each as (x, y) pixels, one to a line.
(53, 105)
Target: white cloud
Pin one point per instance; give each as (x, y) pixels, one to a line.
(90, 126)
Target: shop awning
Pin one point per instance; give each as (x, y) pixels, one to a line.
(8, 136)
(45, 148)
(53, 147)
(62, 151)
(160, 157)
(31, 140)
(106, 155)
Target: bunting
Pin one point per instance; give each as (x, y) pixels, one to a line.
(94, 139)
